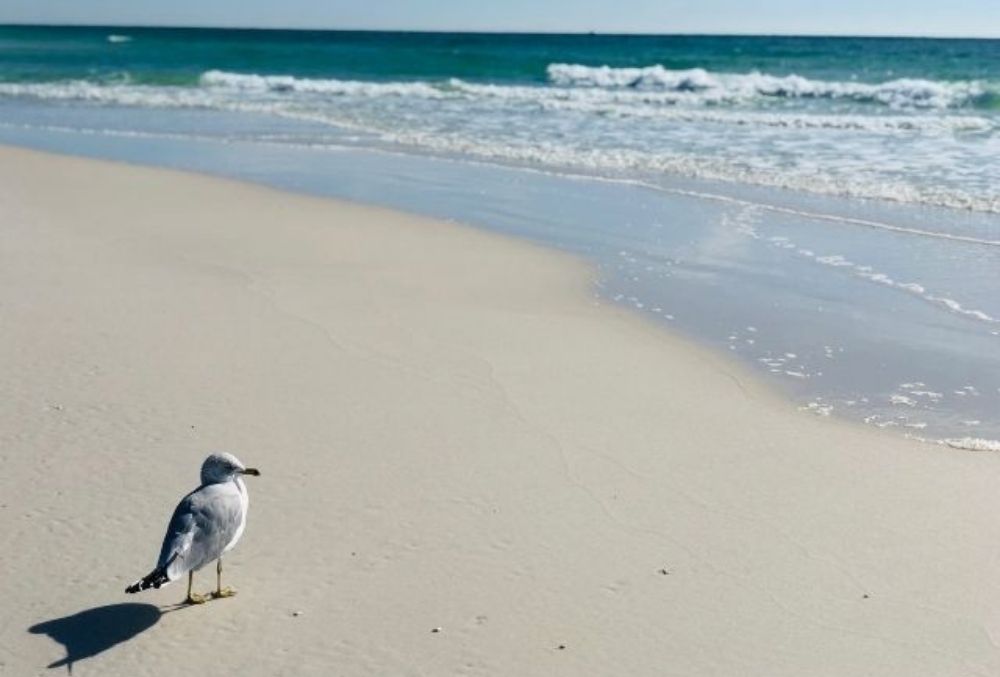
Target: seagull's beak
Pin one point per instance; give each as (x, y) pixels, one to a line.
(251, 471)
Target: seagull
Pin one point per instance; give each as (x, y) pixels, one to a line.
(206, 524)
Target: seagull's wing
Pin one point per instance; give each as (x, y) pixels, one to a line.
(204, 523)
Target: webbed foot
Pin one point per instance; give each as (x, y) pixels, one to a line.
(195, 598)
(224, 592)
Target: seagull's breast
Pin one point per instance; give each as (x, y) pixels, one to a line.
(244, 506)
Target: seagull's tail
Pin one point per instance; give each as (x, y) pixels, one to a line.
(154, 579)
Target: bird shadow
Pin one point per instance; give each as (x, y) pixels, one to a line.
(90, 632)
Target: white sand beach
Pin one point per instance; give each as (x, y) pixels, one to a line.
(453, 435)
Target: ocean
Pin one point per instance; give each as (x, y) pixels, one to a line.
(826, 210)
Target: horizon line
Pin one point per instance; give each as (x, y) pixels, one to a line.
(438, 31)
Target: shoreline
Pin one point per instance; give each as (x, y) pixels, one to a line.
(453, 434)
(729, 251)
(741, 372)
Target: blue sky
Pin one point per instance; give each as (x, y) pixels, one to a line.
(979, 18)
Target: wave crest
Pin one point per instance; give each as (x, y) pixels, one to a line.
(251, 82)
(699, 83)
(687, 87)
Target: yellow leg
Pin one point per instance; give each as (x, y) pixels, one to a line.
(193, 597)
(219, 590)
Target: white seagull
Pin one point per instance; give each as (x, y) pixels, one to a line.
(207, 523)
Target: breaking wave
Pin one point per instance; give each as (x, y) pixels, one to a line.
(649, 86)
(217, 88)
(916, 148)
(252, 82)
(699, 84)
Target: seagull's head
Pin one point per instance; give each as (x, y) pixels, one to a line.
(223, 468)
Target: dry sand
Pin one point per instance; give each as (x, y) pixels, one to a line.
(453, 434)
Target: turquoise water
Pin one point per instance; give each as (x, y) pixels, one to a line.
(825, 209)
(180, 56)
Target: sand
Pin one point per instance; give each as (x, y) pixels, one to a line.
(470, 465)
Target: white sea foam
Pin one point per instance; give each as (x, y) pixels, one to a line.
(901, 93)
(903, 400)
(707, 167)
(289, 84)
(972, 443)
(120, 94)
(114, 38)
(623, 103)
(818, 408)
(567, 126)
(835, 260)
(914, 288)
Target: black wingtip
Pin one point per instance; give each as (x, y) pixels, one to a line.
(153, 579)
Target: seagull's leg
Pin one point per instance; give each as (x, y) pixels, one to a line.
(193, 597)
(219, 590)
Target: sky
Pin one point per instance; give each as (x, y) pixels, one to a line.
(962, 18)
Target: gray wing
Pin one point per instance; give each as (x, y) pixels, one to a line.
(204, 523)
